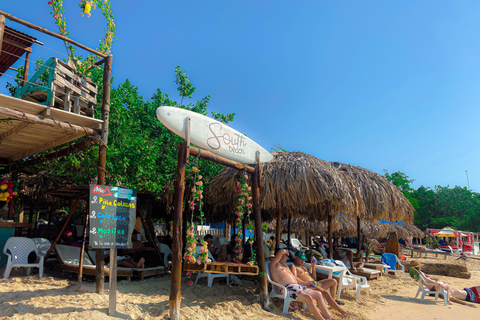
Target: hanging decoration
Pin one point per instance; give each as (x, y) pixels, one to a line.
(243, 207)
(8, 190)
(84, 66)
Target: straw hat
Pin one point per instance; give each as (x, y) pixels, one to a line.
(415, 264)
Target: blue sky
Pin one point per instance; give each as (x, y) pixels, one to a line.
(380, 84)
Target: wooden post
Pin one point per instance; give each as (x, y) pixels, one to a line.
(82, 250)
(177, 245)
(63, 228)
(278, 230)
(112, 286)
(359, 234)
(2, 28)
(307, 237)
(26, 67)
(329, 236)
(259, 235)
(102, 163)
(289, 227)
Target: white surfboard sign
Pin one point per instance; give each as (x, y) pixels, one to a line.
(212, 135)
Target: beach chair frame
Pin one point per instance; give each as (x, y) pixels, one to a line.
(416, 275)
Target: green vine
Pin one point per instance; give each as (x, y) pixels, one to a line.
(84, 66)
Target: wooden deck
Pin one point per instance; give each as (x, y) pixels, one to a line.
(31, 128)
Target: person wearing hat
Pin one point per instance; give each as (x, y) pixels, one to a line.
(328, 287)
(456, 295)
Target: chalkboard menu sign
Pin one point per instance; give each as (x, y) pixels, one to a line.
(112, 216)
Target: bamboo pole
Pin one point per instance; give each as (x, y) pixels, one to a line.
(26, 67)
(102, 162)
(278, 229)
(329, 235)
(359, 234)
(50, 33)
(289, 227)
(263, 298)
(177, 245)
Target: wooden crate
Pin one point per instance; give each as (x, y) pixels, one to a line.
(193, 267)
(65, 90)
(221, 267)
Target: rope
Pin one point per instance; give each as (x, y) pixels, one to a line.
(33, 42)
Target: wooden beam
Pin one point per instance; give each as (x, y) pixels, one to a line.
(207, 155)
(2, 29)
(177, 245)
(50, 33)
(18, 45)
(63, 228)
(37, 119)
(18, 128)
(263, 298)
(150, 235)
(48, 146)
(26, 67)
(73, 148)
(102, 163)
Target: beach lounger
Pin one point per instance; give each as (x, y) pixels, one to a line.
(278, 292)
(421, 287)
(17, 250)
(382, 267)
(42, 246)
(210, 276)
(69, 260)
(137, 272)
(394, 263)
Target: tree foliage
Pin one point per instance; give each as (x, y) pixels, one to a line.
(141, 151)
(456, 207)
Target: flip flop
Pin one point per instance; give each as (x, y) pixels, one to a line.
(293, 307)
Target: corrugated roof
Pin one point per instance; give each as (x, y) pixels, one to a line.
(10, 53)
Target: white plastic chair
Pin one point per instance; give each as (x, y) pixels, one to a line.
(279, 292)
(210, 276)
(416, 275)
(167, 251)
(353, 281)
(17, 250)
(399, 267)
(297, 244)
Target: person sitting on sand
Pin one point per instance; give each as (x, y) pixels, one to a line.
(328, 287)
(348, 258)
(456, 295)
(296, 288)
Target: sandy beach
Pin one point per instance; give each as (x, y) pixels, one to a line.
(59, 296)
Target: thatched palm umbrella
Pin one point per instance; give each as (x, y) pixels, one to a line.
(382, 199)
(293, 184)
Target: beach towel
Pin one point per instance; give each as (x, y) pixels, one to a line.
(390, 259)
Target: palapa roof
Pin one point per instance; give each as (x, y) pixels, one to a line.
(301, 184)
(383, 200)
(346, 227)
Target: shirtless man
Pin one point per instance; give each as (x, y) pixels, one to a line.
(300, 272)
(456, 295)
(296, 288)
(351, 261)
